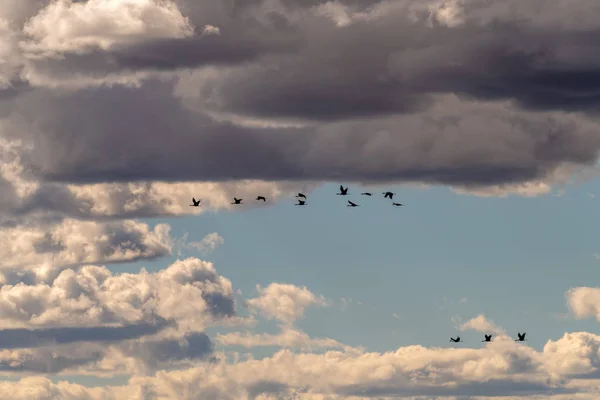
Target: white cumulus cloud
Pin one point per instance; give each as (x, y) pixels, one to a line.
(284, 302)
(67, 26)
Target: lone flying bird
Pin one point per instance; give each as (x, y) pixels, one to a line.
(196, 202)
(301, 195)
(343, 192)
(457, 340)
(521, 337)
(367, 194)
(263, 198)
(488, 338)
(300, 203)
(237, 201)
(397, 204)
(351, 204)
(388, 195)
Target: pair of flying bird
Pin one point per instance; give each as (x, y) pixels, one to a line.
(488, 338)
(343, 192)
(196, 203)
(386, 195)
(239, 201)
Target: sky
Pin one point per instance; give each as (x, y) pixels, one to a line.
(480, 116)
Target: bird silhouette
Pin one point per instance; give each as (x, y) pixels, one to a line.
(263, 198)
(388, 195)
(488, 338)
(196, 202)
(351, 204)
(301, 195)
(343, 192)
(398, 204)
(237, 201)
(300, 203)
(521, 337)
(457, 340)
(367, 194)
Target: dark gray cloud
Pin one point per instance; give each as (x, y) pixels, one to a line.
(151, 354)
(374, 86)
(49, 364)
(49, 244)
(28, 338)
(192, 346)
(220, 305)
(227, 48)
(161, 139)
(249, 41)
(493, 387)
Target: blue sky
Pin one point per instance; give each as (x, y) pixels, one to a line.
(511, 258)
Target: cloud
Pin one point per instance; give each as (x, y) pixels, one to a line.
(267, 93)
(284, 302)
(26, 338)
(481, 324)
(122, 353)
(39, 253)
(190, 292)
(101, 24)
(152, 355)
(286, 338)
(584, 302)
(510, 151)
(208, 243)
(211, 30)
(8, 65)
(27, 200)
(502, 368)
(150, 326)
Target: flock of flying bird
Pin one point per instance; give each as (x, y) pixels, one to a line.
(343, 192)
(488, 338)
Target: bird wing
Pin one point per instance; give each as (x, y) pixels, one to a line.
(351, 203)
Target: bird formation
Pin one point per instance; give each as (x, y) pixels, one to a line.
(488, 338)
(299, 196)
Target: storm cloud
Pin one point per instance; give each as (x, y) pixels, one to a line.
(457, 93)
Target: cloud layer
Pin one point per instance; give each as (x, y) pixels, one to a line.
(150, 326)
(285, 91)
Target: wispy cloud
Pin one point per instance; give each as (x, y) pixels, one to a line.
(208, 244)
